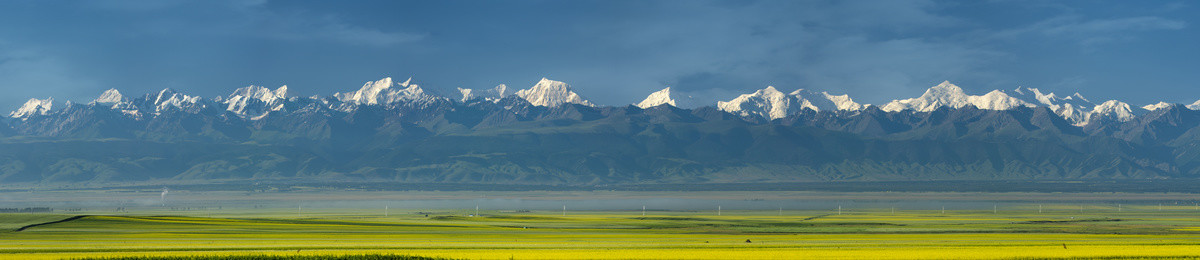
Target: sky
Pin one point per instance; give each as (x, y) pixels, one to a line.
(612, 52)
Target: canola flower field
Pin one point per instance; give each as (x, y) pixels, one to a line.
(1058, 232)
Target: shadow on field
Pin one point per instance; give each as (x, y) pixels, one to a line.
(49, 223)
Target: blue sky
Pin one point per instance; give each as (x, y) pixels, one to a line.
(612, 52)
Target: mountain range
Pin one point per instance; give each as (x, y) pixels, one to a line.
(549, 134)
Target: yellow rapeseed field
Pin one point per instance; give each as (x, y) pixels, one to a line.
(621, 235)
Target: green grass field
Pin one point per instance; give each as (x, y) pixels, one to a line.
(1134, 233)
(273, 257)
(11, 222)
(193, 224)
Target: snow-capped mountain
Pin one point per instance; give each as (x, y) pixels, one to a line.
(110, 96)
(550, 93)
(823, 101)
(492, 94)
(666, 96)
(33, 107)
(767, 103)
(259, 93)
(952, 96)
(113, 99)
(170, 100)
(1113, 109)
(381, 92)
(1074, 108)
(1157, 106)
(255, 101)
(772, 104)
(842, 102)
(1035, 96)
(400, 132)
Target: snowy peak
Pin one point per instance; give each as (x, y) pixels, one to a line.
(493, 94)
(944, 94)
(110, 96)
(945, 90)
(772, 104)
(501, 91)
(256, 100)
(843, 102)
(1036, 96)
(823, 101)
(1073, 108)
(665, 96)
(1113, 109)
(410, 92)
(952, 96)
(657, 98)
(997, 100)
(1157, 106)
(260, 93)
(1194, 105)
(33, 107)
(168, 99)
(467, 94)
(804, 99)
(550, 93)
(114, 100)
(368, 94)
(382, 92)
(767, 103)
(1078, 97)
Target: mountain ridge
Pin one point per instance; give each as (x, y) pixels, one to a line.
(397, 132)
(768, 103)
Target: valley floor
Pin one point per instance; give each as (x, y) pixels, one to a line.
(602, 225)
(878, 234)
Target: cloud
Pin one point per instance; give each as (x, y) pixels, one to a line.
(140, 46)
(880, 70)
(614, 52)
(1094, 32)
(294, 27)
(309, 26)
(1115, 25)
(250, 19)
(844, 47)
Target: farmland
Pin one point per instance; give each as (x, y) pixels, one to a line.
(1056, 226)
